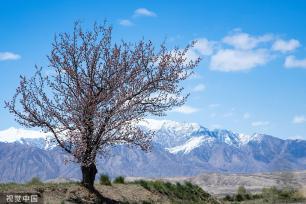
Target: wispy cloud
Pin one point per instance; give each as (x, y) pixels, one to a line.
(144, 12)
(228, 60)
(204, 46)
(285, 46)
(191, 55)
(292, 62)
(137, 13)
(4, 56)
(126, 22)
(199, 88)
(241, 51)
(245, 41)
(260, 123)
(195, 75)
(299, 119)
(185, 109)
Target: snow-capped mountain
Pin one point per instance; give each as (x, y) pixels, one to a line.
(32, 138)
(177, 137)
(179, 149)
(191, 144)
(13, 134)
(171, 133)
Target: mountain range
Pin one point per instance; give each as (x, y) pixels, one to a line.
(179, 149)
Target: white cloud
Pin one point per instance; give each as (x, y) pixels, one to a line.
(246, 115)
(8, 56)
(285, 46)
(260, 123)
(191, 55)
(126, 22)
(199, 88)
(185, 109)
(299, 119)
(240, 51)
(229, 60)
(144, 12)
(195, 75)
(204, 47)
(245, 41)
(292, 62)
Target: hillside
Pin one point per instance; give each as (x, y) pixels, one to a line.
(137, 192)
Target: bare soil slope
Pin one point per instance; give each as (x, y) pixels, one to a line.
(59, 193)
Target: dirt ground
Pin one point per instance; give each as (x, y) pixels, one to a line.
(125, 193)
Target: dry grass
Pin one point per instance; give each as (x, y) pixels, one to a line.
(58, 193)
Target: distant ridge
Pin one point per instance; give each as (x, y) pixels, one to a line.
(179, 149)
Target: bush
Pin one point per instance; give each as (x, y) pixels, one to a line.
(242, 194)
(35, 181)
(228, 198)
(268, 195)
(239, 197)
(119, 179)
(241, 190)
(104, 180)
(286, 194)
(179, 192)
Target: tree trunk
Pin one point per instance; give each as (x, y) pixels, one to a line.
(89, 175)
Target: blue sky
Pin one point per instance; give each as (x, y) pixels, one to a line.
(252, 77)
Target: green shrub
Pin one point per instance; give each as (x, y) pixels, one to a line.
(268, 195)
(275, 195)
(179, 192)
(241, 190)
(242, 194)
(104, 180)
(228, 198)
(35, 181)
(119, 179)
(239, 197)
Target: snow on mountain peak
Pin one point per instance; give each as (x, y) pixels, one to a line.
(190, 145)
(244, 139)
(172, 135)
(13, 134)
(153, 124)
